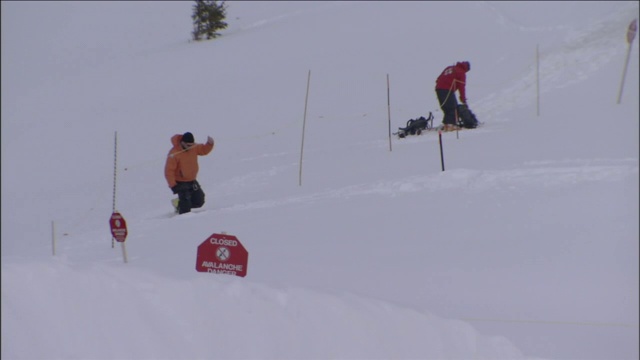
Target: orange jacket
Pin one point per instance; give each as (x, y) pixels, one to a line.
(182, 165)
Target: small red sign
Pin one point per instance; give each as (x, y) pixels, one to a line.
(222, 254)
(118, 227)
(631, 32)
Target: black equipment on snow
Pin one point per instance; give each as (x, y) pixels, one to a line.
(466, 118)
(415, 127)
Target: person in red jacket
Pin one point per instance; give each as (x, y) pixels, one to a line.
(181, 170)
(452, 79)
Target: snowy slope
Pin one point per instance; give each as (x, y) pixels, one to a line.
(525, 247)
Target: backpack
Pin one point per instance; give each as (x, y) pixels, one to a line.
(415, 127)
(466, 118)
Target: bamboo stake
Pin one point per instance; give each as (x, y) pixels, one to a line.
(624, 74)
(389, 110)
(537, 80)
(53, 238)
(631, 34)
(304, 122)
(115, 161)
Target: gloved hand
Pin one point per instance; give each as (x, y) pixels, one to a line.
(175, 189)
(464, 101)
(209, 140)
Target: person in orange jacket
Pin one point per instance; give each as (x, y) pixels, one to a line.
(181, 170)
(453, 78)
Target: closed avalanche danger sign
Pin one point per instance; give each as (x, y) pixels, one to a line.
(222, 254)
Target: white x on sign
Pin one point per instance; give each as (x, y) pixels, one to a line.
(222, 253)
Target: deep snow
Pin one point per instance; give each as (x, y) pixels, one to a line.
(525, 247)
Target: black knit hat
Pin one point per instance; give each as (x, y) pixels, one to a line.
(188, 138)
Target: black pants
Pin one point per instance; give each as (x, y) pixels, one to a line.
(190, 195)
(449, 106)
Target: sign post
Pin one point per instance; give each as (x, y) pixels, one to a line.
(119, 231)
(631, 34)
(631, 31)
(222, 254)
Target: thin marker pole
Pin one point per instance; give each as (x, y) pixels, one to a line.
(631, 34)
(441, 153)
(537, 80)
(304, 122)
(389, 110)
(53, 238)
(115, 161)
(624, 74)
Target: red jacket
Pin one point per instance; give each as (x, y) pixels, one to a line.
(454, 78)
(182, 165)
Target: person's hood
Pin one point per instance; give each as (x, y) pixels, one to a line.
(465, 65)
(176, 139)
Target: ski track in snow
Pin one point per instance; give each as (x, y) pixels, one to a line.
(559, 173)
(276, 19)
(581, 53)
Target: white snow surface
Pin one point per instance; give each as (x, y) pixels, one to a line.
(525, 247)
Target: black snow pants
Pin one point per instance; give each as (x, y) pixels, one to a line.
(449, 106)
(190, 196)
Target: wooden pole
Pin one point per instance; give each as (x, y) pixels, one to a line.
(115, 161)
(631, 34)
(304, 122)
(624, 74)
(389, 110)
(53, 238)
(124, 253)
(537, 80)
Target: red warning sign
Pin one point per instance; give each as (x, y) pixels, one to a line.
(222, 254)
(118, 227)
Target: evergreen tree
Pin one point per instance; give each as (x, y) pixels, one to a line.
(208, 17)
